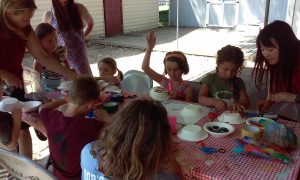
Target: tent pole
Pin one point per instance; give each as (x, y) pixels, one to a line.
(177, 28)
(267, 9)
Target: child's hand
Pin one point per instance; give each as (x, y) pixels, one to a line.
(236, 107)
(220, 104)
(151, 40)
(102, 115)
(283, 97)
(263, 105)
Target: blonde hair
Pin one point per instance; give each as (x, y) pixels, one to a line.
(137, 143)
(17, 6)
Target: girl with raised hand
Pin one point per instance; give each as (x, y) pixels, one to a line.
(176, 65)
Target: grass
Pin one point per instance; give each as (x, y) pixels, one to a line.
(164, 17)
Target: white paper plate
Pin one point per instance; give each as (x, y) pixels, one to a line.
(29, 106)
(257, 119)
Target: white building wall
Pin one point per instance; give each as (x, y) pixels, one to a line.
(95, 8)
(139, 15)
(42, 6)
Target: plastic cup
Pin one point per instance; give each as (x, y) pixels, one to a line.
(172, 123)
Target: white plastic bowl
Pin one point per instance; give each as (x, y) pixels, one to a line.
(8, 104)
(29, 106)
(219, 125)
(157, 93)
(192, 133)
(231, 118)
(191, 114)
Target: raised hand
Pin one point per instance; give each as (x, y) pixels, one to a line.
(151, 40)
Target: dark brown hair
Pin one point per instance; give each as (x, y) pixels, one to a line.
(6, 124)
(179, 58)
(83, 90)
(137, 141)
(231, 54)
(44, 29)
(281, 74)
(18, 6)
(113, 64)
(65, 24)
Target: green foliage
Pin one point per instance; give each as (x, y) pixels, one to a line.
(164, 17)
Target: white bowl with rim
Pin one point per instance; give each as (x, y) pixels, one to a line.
(231, 118)
(192, 133)
(30, 106)
(158, 93)
(8, 104)
(216, 129)
(191, 114)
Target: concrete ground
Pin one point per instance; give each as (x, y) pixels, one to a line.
(199, 44)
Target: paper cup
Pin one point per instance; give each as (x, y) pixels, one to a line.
(172, 123)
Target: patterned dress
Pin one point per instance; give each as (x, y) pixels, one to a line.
(73, 40)
(179, 92)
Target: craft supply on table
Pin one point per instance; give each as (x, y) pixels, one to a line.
(218, 129)
(253, 132)
(111, 107)
(248, 145)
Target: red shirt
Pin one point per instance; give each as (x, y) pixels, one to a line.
(67, 137)
(296, 79)
(12, 51)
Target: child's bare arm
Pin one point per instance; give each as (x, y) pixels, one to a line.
(151, 40)
(53, 104)
(244, 99)
(17, 118)
(204, 100)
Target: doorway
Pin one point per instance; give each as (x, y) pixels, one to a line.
(113, 17)
(222, 13)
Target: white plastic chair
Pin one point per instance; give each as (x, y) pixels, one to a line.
(22, 167)
(136, 81)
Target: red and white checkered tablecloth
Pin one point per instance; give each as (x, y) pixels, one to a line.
(198, 165)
